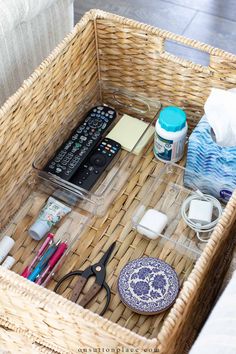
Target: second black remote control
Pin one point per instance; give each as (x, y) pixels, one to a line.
(84, 138)
(96, 163)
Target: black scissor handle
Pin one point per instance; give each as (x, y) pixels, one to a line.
(67, 276)
(106, 287)
(78, 272)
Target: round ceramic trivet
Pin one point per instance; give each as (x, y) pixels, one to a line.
(148, 285)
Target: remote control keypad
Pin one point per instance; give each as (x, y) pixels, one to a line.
(81, 142)
(96, 163)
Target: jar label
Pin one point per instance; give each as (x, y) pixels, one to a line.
(168, 150)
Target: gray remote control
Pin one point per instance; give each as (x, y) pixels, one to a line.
(84, 138)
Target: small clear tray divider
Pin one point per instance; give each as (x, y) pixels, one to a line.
(112, 181)
(166, 194)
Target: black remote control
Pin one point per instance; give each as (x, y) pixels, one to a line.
(96, 163)
(81, 142)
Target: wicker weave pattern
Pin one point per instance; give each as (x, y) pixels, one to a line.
(105, 48)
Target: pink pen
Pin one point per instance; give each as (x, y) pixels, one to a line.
(51, 263)
(26, 272)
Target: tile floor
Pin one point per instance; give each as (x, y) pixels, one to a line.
(210, 21)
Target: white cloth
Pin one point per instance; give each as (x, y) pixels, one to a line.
(29, 31)
(218, 335)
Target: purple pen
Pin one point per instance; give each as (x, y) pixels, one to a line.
(26, 272)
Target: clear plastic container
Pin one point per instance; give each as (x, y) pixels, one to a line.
(70, 229)
(166, 194)
(111, 182)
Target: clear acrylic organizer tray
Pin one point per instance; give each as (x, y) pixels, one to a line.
(112, 181)
(166, 194)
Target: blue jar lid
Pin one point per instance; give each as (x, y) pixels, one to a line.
(172, 119)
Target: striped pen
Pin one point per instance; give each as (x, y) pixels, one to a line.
(26, 272)
(52, 261)
(43, 262)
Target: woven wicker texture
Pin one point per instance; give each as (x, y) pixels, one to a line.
(13, 342)
(106, 49)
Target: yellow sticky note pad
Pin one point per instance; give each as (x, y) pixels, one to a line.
(128, 131)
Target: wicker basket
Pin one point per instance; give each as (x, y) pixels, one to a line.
(104, 49)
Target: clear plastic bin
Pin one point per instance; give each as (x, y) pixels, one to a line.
(166, 194)
(111, 182)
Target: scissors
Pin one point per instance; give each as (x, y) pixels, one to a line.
(99, 271)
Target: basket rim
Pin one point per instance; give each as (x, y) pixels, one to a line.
(94, 14)
(19, 286)
(194, 43)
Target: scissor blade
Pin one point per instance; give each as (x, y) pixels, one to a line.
(107, 254)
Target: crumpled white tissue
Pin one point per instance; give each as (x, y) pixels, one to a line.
(220, 110)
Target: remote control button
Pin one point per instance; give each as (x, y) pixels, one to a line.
(110, 112)
(98, 160)
(69, 144)
(80, 129)
(75, 137)
(89, 143)
(100, 108)
(95, 123)
(91, 168)
(96, 171)
(77, 146)
(58, 170)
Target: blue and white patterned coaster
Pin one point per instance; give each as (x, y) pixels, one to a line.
(148, 285)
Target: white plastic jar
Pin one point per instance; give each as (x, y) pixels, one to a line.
(170, 134)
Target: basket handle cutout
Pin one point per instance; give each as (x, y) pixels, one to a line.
(188, 53)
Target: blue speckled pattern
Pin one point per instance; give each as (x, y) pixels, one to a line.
(148, 285)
